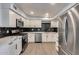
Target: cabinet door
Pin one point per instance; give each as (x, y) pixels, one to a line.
(15, 46)
(31, 37)
(52, 37)
(54, 23)
(8, 46)
(44, 39)
(32, 23)
(55, 37)
(12, 48)
(49, 37)
(19, 45)
(26, 23)
(35, 23)
(12, 19)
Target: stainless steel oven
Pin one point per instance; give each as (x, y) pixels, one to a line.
(24, 41)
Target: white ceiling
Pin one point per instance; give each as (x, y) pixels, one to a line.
(39, 10)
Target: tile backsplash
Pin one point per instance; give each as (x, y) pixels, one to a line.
(3, 31)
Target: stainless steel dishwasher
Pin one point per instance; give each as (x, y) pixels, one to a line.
(38, 38)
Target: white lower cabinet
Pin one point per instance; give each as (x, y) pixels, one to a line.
(4, 46)
(49, 37)
(19, 44)
(14, 47)
(44, 38)
(31, 37)
(8, 49)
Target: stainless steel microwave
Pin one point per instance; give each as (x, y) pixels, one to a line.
(19, 23)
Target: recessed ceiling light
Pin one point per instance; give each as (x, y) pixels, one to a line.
(31, 12)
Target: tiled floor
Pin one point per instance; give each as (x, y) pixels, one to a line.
(40, 49)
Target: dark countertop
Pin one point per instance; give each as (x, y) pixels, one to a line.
(15, 34)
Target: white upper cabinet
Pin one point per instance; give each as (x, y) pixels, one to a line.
(54, 23)
(12, 19)
(7, 16)
(35, 23)
(32, 23)
(26, 22)
(17, 10)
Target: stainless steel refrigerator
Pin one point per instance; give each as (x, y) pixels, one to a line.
(69, 31)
